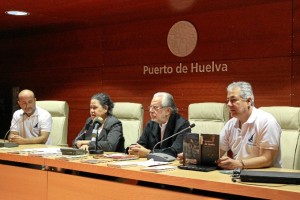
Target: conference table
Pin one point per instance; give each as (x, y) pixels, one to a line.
(23, 176)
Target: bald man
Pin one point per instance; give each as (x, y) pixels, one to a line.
(30, 124)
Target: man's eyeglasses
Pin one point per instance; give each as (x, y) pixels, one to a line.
(234, 100)
(155, 107)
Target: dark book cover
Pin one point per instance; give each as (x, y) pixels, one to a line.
(209, 149)
(192, 149)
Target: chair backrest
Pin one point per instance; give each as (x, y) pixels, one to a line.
(289, 120)
(209, 117)
(131, 115)
(59, 111)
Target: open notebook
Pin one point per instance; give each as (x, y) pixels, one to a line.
(200, 152)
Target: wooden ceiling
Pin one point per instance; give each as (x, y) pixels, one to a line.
(57, 14)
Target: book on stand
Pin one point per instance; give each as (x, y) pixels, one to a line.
(192, 149)
(200, 152)
(209, 149)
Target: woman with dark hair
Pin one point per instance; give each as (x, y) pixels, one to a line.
(110, 132)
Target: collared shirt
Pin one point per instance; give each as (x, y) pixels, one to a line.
(260, 131)
(31, 126)
(162, 130)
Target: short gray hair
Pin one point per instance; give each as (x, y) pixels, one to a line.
(167, 100)
(246, 90)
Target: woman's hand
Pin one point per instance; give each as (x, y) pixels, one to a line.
(85, 147)
(80, 143)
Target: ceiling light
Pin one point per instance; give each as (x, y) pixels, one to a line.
(17, 13)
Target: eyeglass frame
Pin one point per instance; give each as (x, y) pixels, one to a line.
(156, 108)
(234, 100)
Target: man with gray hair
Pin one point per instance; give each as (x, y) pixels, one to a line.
(251, 134)
(165, 122)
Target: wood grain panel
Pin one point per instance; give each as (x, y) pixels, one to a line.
(53, 51)
(56, 66)
(261, 73)
(296, 82)
(76, 86)
(31, 183)
(254, 39)
(71, 187)
(296, 27)
(213, 181)
(262, 30)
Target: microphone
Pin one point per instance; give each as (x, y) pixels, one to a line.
(96, 124)
(10, 144)
(74, 150)
(87, 126)
(162, 157)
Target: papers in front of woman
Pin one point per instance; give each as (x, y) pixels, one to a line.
(159, 168)
(71, 157)
(122, 164)
(40, 152)
(148, 163)
(95, 161)
(121, 157)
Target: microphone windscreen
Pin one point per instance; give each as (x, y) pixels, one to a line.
(192, 125)
(97, 120)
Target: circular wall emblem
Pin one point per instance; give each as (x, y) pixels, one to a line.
(182, 38)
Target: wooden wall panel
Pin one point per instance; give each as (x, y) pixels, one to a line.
(263, 74)
(296, 27)
(296, 81)
(52, 51)
(254, 39)
(255, 42)
(56, 66)
(296, 54)
(74, 86)
(232, 33)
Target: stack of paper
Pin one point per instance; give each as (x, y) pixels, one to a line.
(124, 157)
(70, 157)
(147, 163)
(94, 161)
(122, 164)
(151, 163)
(42, 152)
(159, 168)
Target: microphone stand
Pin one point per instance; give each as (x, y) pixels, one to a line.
(163, 157)
(87, 126)
(96, 150)
(10, 144)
